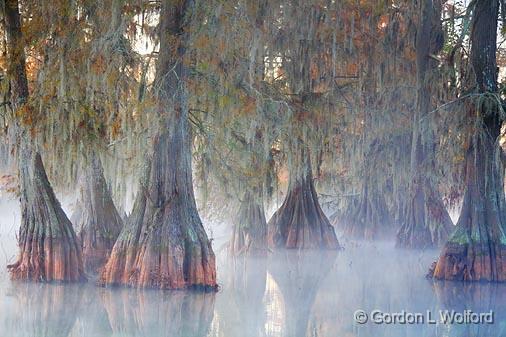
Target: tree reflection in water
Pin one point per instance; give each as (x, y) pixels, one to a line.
(41, 310)
(298, 275)
(477, 297)
(133, 312)
(288, 294)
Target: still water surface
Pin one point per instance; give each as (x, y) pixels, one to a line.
(290, 294)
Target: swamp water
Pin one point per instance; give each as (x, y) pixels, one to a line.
(290, 293)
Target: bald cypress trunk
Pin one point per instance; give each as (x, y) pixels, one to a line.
(477, 249)
(165, 245)
(369, 218)
(48, 245)
(96, 219)
(300, 221)
(249, 235)
(122, 262)
(426, 222)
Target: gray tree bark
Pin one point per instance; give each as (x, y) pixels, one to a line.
(426, 222)
(300, 221)
(48, 245)
(96, 219)
(476, 251)
(165, 237)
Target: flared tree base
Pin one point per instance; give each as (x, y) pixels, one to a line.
(367, 219)
(476, 251)
(176, 266)
(168, 252)
(249, 235)
(243, 243)
(471, 262)
(300, 222)
(164, 245)
(412, 237)
(48, 260)
(358, 228)
(97, 240)
(49, 250)
(423, 236)
(97, 220)
(95, 256)
(427, 223)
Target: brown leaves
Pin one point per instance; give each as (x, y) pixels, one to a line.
(9, 184)
(116, 128)
(27, 115)
(98, 65)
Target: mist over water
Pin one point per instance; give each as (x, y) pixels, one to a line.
(290, 293)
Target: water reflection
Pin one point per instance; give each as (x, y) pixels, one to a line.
(298, 276)
(92, 320)
(56, 310)
(39, 310)
(288, 294)
(133, 312)
(476, 297)
(241, 303)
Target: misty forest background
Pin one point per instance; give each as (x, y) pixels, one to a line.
(288, 120)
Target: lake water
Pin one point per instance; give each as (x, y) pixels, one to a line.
(290, 293)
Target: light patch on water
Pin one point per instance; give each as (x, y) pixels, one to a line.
(288, 294)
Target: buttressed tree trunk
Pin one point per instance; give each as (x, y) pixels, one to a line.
(426, 222)
(249, 235)
(476, 251)
(97, 220)
(369, 219)
(49, 250)
(164, 244)
(122, 262)
(300, 221)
